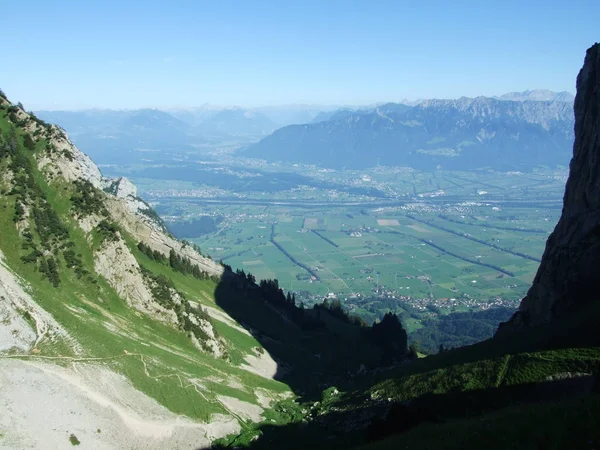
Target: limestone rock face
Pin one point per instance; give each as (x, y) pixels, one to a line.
(569, 274)
(133, 214)
(125, 188)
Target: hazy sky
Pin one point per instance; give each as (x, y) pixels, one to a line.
(143, 53)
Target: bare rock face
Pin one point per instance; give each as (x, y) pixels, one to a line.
(118, 266)
(569, 274)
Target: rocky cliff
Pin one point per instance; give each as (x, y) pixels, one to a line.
(65, 161)
(568, 276)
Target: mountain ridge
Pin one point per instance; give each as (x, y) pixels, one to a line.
(453, 134)
(537, 95)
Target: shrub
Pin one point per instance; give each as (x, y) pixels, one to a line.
(87, 200)
(28, 142)
(107, 231)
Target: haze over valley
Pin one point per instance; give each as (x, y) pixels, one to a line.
(322, 225)
(427, 209)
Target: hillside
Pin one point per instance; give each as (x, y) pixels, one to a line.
(463, 134)
(138, 339)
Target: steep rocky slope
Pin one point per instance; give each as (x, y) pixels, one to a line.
(107, 316)
(568, 274)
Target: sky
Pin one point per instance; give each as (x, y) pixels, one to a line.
(60, 54)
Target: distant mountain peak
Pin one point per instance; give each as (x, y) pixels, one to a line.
(543, 95)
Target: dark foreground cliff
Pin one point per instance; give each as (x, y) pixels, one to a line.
(569, 275)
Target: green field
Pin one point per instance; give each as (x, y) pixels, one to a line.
(453, 240)
(386, 252)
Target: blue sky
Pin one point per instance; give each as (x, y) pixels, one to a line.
(144, 53)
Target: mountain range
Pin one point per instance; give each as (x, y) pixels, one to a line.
(516, 131)
(128, 136)
(462, 134)
(543, 95)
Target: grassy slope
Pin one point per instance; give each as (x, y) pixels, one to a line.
(158, 359)
(557, 425)
(490, 395)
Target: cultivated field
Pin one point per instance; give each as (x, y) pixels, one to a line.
(456, 240)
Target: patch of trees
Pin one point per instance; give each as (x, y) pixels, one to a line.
(48, 225)
(28, 142)
(49, 267)
(459, 329)
(162, 289)
(45, 237)
(270, 292)
(189, 318)
(87, 200)
(194, 228)
(336, 309)
(154, 255)
(325, 238)
(155, 218)
(107, 231)
(388, 334)
(12, 112)
(177, 262)
(74, 261)
(184, 265)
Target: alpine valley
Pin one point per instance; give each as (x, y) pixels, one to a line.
(115, 334)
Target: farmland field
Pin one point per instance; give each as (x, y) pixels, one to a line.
(376, 239)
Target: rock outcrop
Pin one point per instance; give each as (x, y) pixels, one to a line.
(64, 160)
(568, 277)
